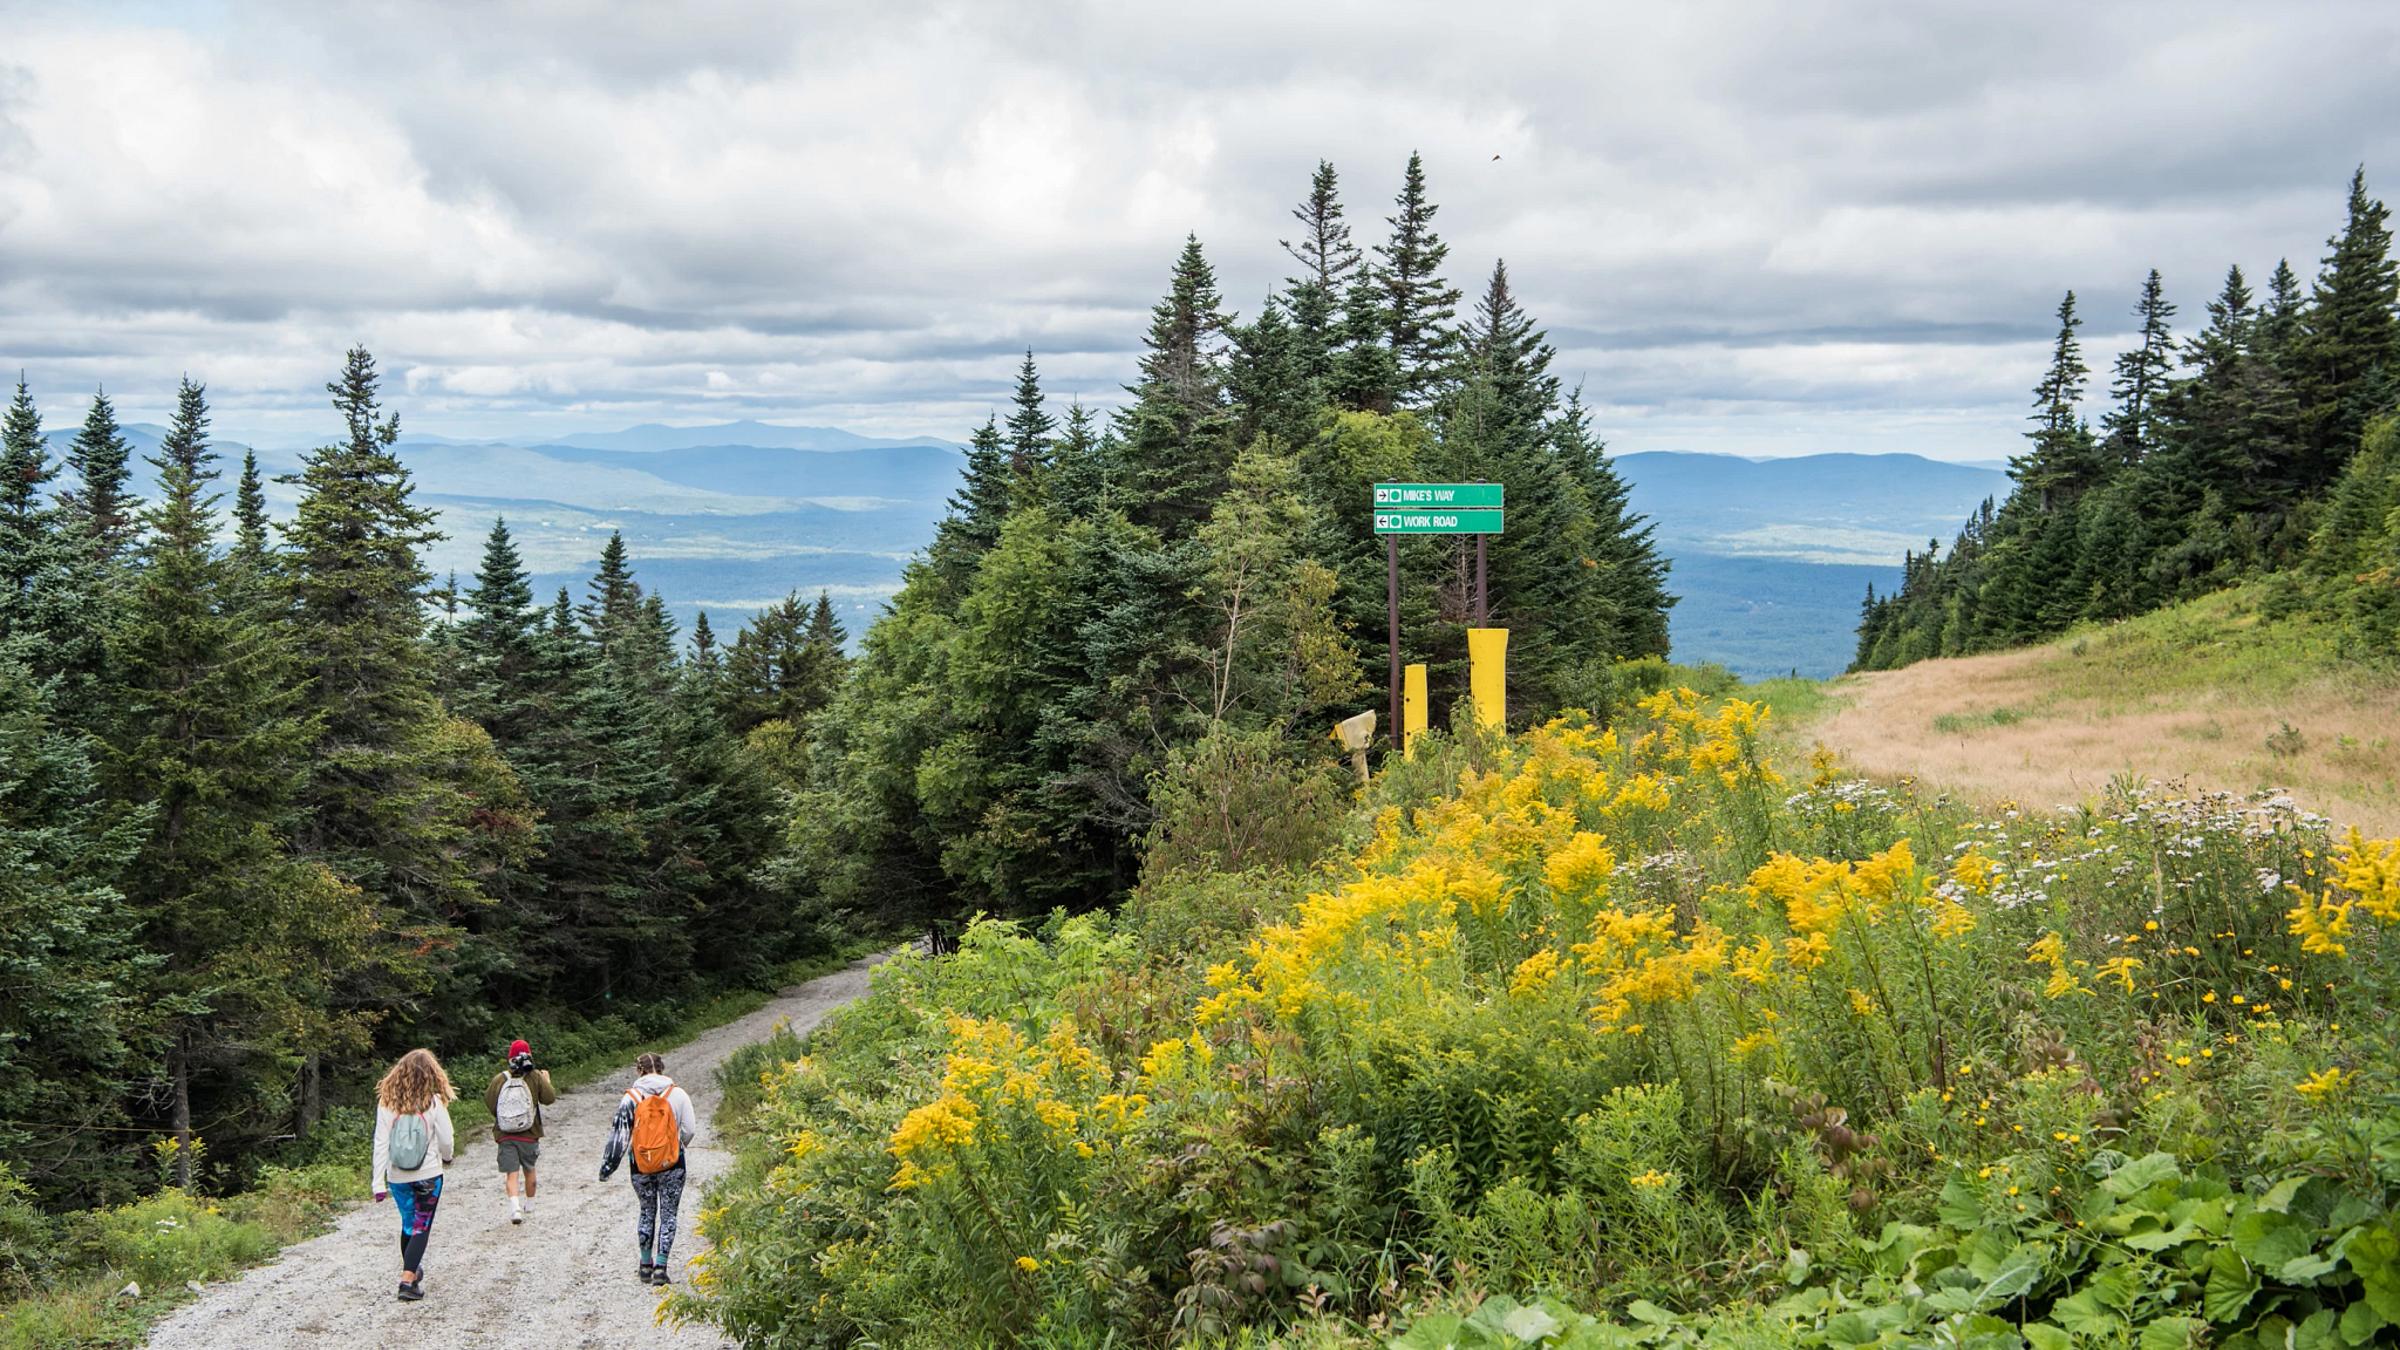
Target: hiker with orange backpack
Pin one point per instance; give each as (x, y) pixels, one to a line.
(653, 1128)
(413, 1138)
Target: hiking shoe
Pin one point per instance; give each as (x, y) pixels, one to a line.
(658, 1276)
(411, 1292)
(647, 1268)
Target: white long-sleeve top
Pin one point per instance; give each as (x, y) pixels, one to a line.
(445, 1147)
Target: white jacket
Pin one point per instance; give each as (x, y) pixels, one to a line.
(445, 1146)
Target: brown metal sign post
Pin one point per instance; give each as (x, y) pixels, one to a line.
(1391, 601)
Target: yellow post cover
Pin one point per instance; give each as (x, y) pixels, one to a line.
(1487, 653)
(1412, 702)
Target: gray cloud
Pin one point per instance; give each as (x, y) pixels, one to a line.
(1821, 226)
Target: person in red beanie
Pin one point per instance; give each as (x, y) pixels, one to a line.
(516, 1097)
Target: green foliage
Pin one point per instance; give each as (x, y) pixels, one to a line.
(2221, 461)
(1615, 1038)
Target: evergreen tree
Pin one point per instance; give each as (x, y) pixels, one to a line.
(2351, 339)
(1029, 428)
(250, 538)
(980, 505)
(73, 971)
(2061, 463)
(1174, 443)
(1079, 477)
(1329, 262)
(1417, 305)
(1366, 373)
(1267, 380)
(377, 805)
(2282, 318)
(2141, 379)
(25, 522)
(496, 644)
(101, 505)
(209, 741)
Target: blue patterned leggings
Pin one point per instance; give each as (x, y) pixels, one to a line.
(660, 1195)
(416, 1201)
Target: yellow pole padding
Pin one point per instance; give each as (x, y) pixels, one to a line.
(1487, 653)
(1412, 699)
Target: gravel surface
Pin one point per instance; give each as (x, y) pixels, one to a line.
(565, 1278)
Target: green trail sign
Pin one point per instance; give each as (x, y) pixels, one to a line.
(1417, 521)
(1438, 496)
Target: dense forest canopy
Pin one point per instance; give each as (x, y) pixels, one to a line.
(1104, 600)
(2251, 446)
(271, 803)
(275, 802)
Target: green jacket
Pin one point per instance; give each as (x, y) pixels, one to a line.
(543, 1095)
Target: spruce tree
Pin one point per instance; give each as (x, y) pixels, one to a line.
(101, 505)
(2141, 379)
(1266, 379)
(1417, 305)
(1029, 428)
(250, 541)
(26, 527)
(2352, 337)
(209, 739)
(981, 504)
(1174, 443)
(2062, 462)
(496, 656)
(1079, 476)
(377, 805)
(1328, 262)
(75, 1009)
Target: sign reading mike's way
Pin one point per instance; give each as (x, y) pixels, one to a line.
(1438, 508)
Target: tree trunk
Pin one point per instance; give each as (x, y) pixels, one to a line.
(179, 1068)
(311, 1094)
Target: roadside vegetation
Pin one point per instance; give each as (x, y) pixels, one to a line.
(1616, 1035)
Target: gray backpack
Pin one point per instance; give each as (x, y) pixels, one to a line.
(515, 1114)
(410, 1141)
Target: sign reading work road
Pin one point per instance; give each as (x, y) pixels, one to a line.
(1437, 522)
(1443, 496)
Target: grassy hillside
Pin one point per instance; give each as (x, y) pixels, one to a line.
(2212, 693)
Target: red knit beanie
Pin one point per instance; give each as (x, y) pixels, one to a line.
(518, 1047)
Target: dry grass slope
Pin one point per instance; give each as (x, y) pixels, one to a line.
(2209, 693)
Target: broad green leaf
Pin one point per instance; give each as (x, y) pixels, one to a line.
(1530, 1324)
(2141, 1174)
(2043, 1336)
(2231, 1285)
(2174, 1333)
(2360, 1322)
(2269, 1237)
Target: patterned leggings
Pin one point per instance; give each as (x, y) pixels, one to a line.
(416, 1201)
(661, 1195)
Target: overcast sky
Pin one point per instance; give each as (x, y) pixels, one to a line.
(1749, 228)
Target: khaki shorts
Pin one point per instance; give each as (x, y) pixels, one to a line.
(518, 1155)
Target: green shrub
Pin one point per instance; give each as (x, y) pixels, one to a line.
(29, 1238)
(170, 1238)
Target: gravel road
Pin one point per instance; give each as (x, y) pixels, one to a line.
(563, 1279)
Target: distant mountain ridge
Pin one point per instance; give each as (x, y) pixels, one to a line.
(651, 437)
(1772, 556)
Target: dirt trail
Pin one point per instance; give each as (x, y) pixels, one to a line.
(563, 1279)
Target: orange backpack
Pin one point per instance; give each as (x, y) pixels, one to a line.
(657, 1139)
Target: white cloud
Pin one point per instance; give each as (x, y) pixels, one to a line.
(1823, 225)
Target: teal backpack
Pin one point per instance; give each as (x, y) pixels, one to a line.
(410, 1141)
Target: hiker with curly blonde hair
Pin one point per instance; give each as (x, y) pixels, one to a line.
(413, 1138)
